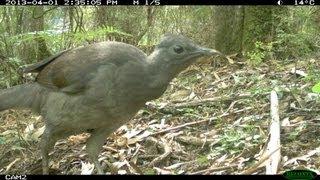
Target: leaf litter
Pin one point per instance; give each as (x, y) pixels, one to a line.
(213, 119)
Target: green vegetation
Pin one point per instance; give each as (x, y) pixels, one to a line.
(269, 48)
(260, 33)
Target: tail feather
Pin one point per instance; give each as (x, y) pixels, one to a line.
(29, 96)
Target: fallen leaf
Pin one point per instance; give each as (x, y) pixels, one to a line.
(86, 168)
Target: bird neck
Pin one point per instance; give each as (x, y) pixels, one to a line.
(159, 75)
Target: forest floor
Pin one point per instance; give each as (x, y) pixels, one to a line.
(213, 119)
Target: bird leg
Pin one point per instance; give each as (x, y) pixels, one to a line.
(47, 144)
(94, 146)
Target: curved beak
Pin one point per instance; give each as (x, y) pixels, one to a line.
(210, 52)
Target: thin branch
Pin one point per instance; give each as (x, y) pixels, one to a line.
(198, 122)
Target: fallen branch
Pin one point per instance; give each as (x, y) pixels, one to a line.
(171, 108)
(257, 166)
(207, 101)
(304, 157)
(198, 122)
(182, 126)
(305, 110)
(274, 143)
(196, 141)
(11, 164)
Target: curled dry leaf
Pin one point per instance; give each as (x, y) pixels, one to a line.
(86, 168)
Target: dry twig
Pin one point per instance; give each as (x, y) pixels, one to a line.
(167, 151)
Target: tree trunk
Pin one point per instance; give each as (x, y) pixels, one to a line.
(38, 25)
(258, 23)
(229, 28)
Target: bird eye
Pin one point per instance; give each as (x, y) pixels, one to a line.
(178, 49)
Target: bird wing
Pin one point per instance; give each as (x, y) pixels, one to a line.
(37, 67)
(71, 71)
